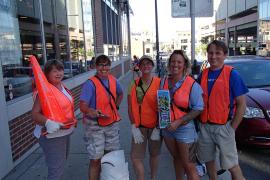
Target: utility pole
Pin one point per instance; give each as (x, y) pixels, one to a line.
(44, 52)
(157, 39)
(128, 26)
(192, 17)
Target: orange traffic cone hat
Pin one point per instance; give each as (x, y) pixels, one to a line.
(50, 97)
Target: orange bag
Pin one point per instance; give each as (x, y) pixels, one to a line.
(49, 96)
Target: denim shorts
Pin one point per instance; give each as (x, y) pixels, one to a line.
(184, 134)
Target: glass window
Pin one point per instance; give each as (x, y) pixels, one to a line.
(20, 37)
(50, 47)
(76, 39)
(254, 74)
(264, 28)
(88, 31)
(109, 25)
(184, 40)
(264, 9)
(124, 42)
(110, 31)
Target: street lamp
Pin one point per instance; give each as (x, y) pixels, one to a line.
(157, 39)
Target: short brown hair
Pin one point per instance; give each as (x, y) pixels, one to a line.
(103, 59)
(219, 44)
(52, 63)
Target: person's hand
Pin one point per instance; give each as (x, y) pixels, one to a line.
(155, 136)
(174, 125)
(52, 126)
(233, 126)
(137, 134)
(101, 115)
(96, 114)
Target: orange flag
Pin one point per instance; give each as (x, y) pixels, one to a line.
(48, 95)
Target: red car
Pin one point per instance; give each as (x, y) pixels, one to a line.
(255, 127)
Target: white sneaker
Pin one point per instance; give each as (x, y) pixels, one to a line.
(201, 169)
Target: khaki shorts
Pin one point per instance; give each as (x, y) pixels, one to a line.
(222, 137)
(138, 150)
(99, 139)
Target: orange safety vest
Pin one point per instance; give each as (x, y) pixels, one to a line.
(104, 102)
(54, 104)
(67, 107)
(217, 104)
(180, 99)
(145, 114)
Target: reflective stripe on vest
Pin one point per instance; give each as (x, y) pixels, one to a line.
(180, 100)
(145, 114)
(104, 101)
(217, 104)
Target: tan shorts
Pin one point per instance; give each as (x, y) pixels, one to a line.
(99, 140)
(138, 150)
(222, 137)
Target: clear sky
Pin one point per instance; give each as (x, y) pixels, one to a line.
(144, 18)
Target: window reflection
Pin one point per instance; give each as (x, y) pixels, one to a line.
(88, 31)
(264, 28)
(124, 32)
(21, 35)
(76, 39)
(110, 23)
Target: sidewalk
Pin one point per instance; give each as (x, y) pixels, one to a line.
(34, 167)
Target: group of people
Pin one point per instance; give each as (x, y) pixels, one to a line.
(214, 104)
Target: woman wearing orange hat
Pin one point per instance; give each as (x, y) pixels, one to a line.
(55, 142)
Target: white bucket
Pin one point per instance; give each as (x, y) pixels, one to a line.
(114, 167)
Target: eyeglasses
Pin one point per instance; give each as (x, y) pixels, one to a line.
(103, 65)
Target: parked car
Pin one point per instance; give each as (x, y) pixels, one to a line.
(68, 73)
(255, 127)
(18, 81)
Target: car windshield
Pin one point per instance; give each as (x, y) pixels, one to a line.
(254, 73)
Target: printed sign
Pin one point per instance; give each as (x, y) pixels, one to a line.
(163, 98)
(181, 8)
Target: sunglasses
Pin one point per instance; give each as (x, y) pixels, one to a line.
(104, 65)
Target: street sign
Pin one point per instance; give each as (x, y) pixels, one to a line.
(181, 8)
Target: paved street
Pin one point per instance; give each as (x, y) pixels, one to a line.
(255, 167)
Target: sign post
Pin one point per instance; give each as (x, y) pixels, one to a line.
(188, 8)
